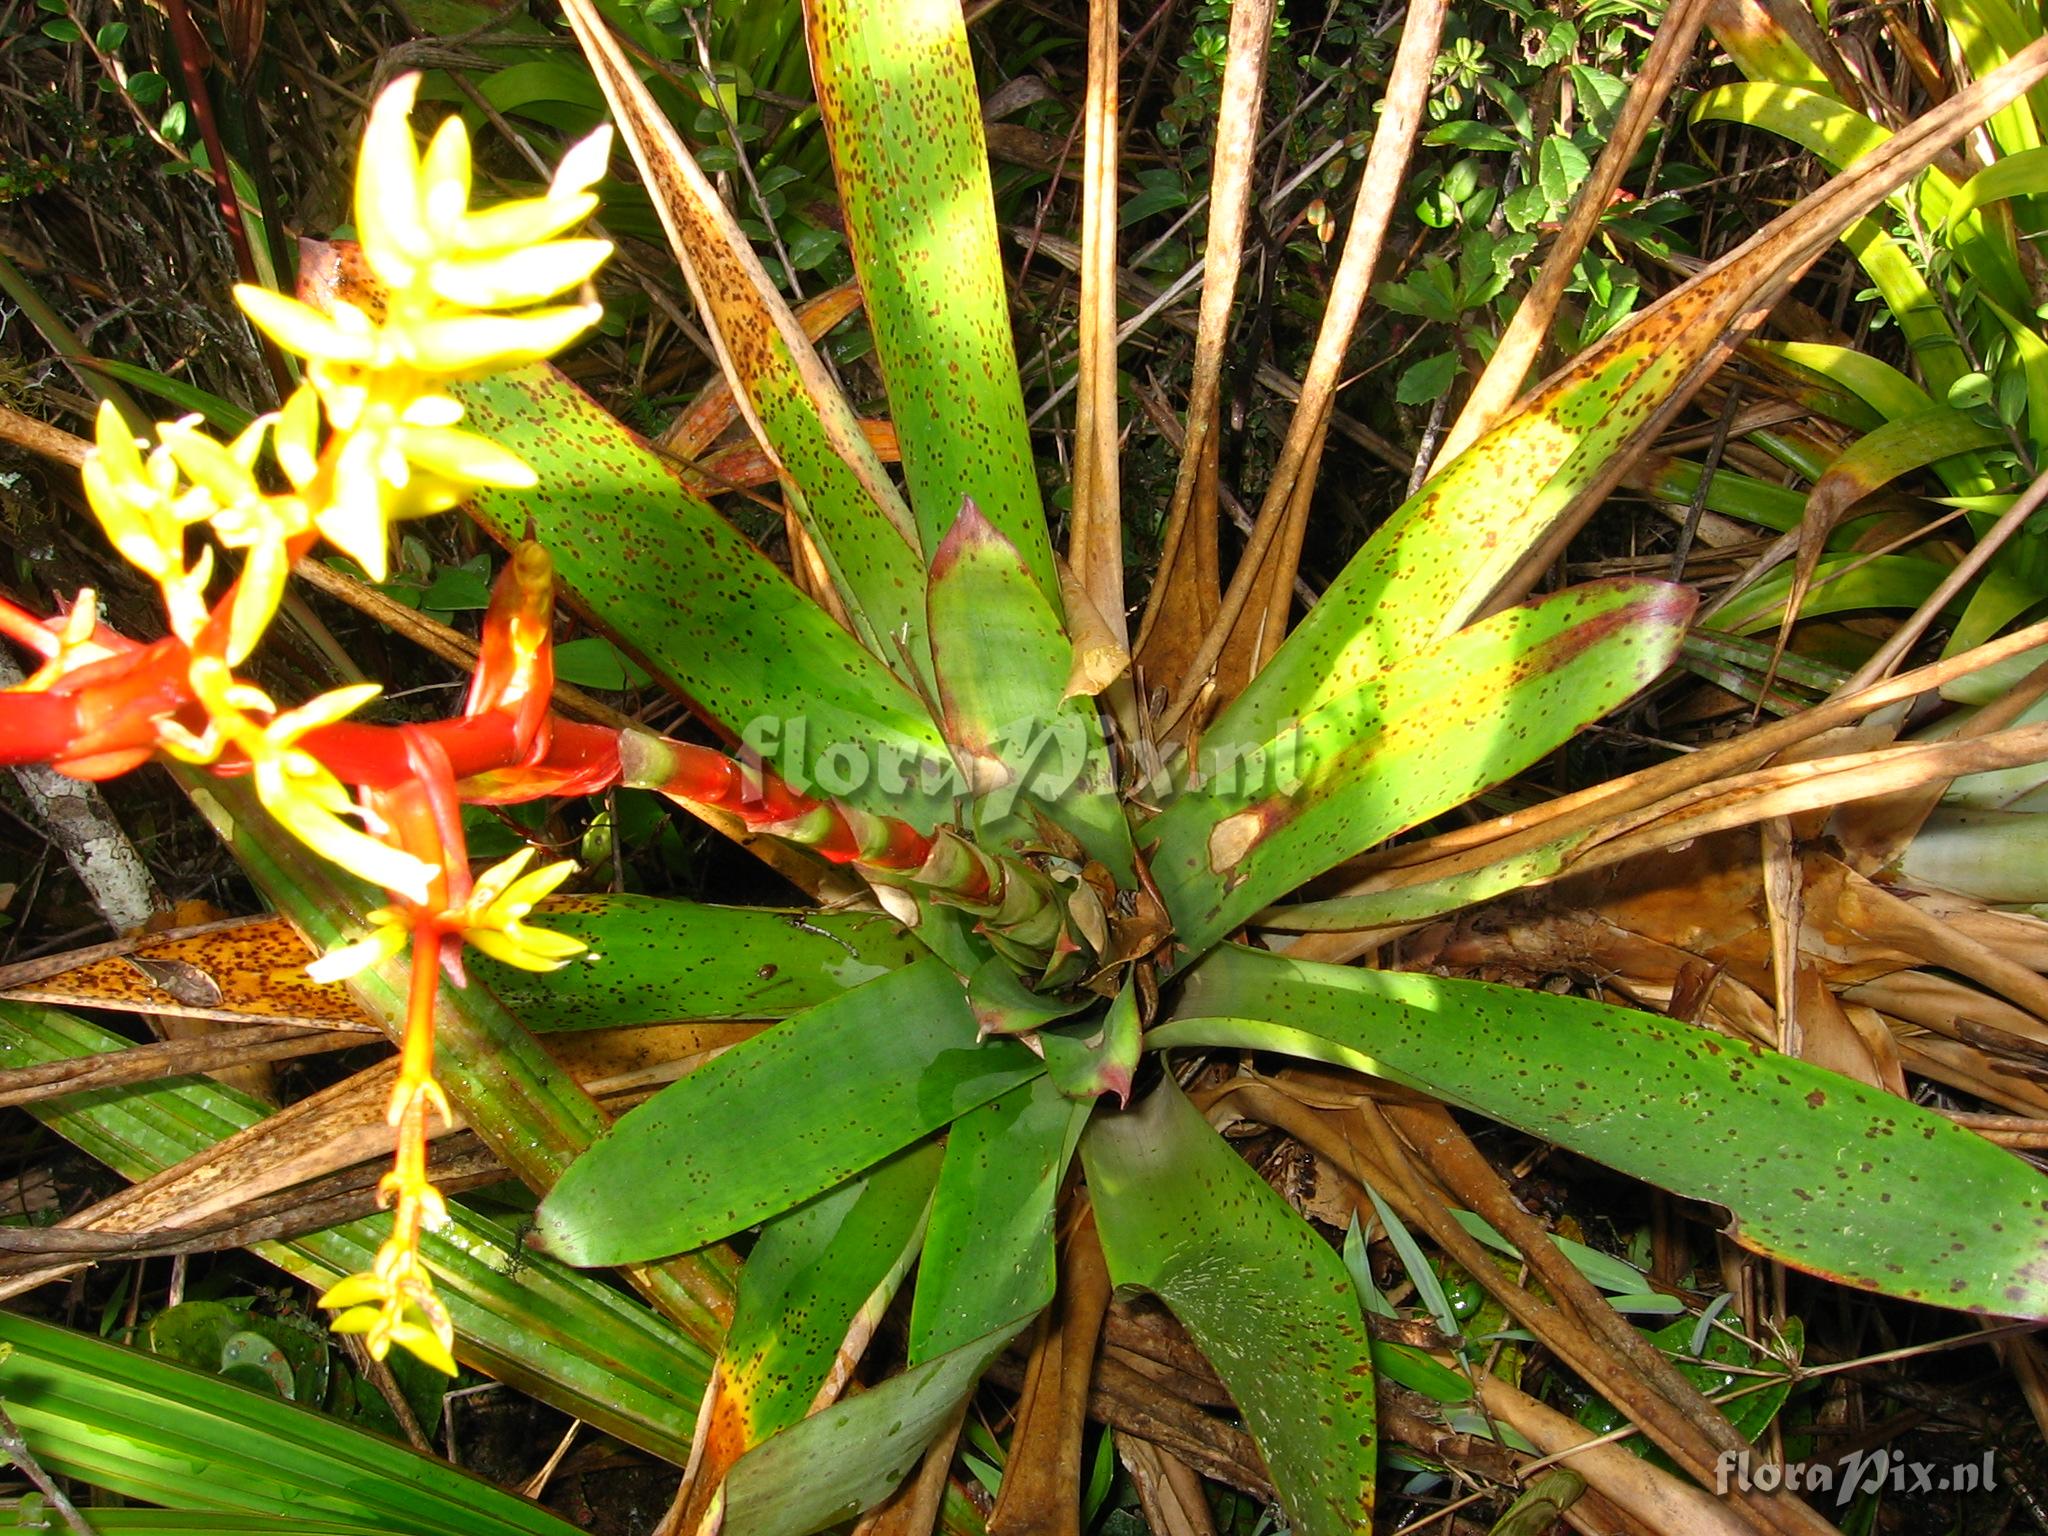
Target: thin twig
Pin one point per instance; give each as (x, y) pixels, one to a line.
(14, 1445)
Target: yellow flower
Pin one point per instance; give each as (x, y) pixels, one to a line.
(313, 805)
(395, 1304)
(139, 500)
(388, 934)
(245, 518)
(417, 233)
(492, 917)
(466, 293)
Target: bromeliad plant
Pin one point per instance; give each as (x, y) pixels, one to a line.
(1073, 826)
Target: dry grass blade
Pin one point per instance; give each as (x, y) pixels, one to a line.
(331, 1201)
(1246, 632)
(1169, 1490)
(336, 1128)
(1187, 591)
(1095, 543)
(179, 1058)
(1474, 1183)
(1957, 581)
(1654, 1499)
(1875, 834)
(1515, 354)
(1041, 1489)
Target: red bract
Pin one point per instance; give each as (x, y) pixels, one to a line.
(95, 719)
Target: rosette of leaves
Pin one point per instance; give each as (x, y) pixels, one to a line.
(1118, 827)
(1101, 837)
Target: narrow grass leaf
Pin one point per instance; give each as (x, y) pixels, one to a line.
(145, 1428)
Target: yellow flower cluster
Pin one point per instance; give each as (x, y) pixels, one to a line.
(370, 436)
(460, 297)
(464, 296)
(493, 919)
(394, 1303)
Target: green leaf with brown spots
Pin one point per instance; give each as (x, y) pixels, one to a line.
(1268, 1301)
(801, 1106)
(1815, 1170)
(1451, 720)
(817, 1282)
(999, 653)
(652, 961)
(1445, 554)
(673, 584)
(988, 1255)
(841, 492)
(897, 94)
(1001, 659)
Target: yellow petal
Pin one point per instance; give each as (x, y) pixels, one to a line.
(144, 541)
(298, 807)
(529, 889)
(304, 330)
(444, 176)
(355, 1290)
(353, 521)
(527, 221)
(463, 456)
(206, 463)
(583, 165)
(496, 880)
(322, 709)
(486, 343)
(518, 277)
(115, 444)
(298, 436)
(388, 187)
(258, 591)
(340, 964)
(432, 411)
(185, 598)
(530, 949)
(358, 1320)
(427, 1345)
